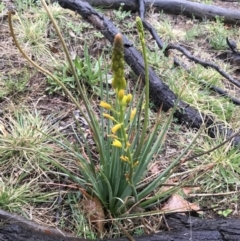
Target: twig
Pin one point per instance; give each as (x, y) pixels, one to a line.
(232, 45)
(221, 92)
(213, 194)
(203, 63)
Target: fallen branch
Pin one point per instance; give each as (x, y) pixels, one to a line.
(204, 63)
(179, 7)
(14, 227)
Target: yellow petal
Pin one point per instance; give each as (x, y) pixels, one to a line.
(116, 128)
(108, 116)
(105, 105)
(117, 143)
(124, 158)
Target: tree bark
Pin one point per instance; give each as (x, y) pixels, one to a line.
(182, 228)
(159, 91)
(187, 8)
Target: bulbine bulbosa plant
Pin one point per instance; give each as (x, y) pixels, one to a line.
(124, 145)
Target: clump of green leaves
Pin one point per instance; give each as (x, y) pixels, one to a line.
(225, 212)
(120, 14)
(124, 145)
(87, 70)
(66, 78)
(217, 34)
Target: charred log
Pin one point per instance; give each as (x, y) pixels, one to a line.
(187, 8)
(16, 228)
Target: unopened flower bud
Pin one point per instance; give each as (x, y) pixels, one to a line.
(120, 94)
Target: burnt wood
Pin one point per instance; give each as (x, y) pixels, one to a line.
(16, 228)
(179, 7)
(182, 228)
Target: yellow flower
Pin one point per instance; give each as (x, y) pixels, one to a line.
(128, 144)
(117, 143)
(133, 113)
(124, 158)
(129, 98)
(105, 105)
(116, 128)
(120, 94)
(108, 116)
(135, 164)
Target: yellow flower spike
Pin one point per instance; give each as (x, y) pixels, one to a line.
(116, 128)
(119, 81)
(120, 94)
(117, 143)
(133, 113)
(108, 116)
(140, 28)
(105, 105)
